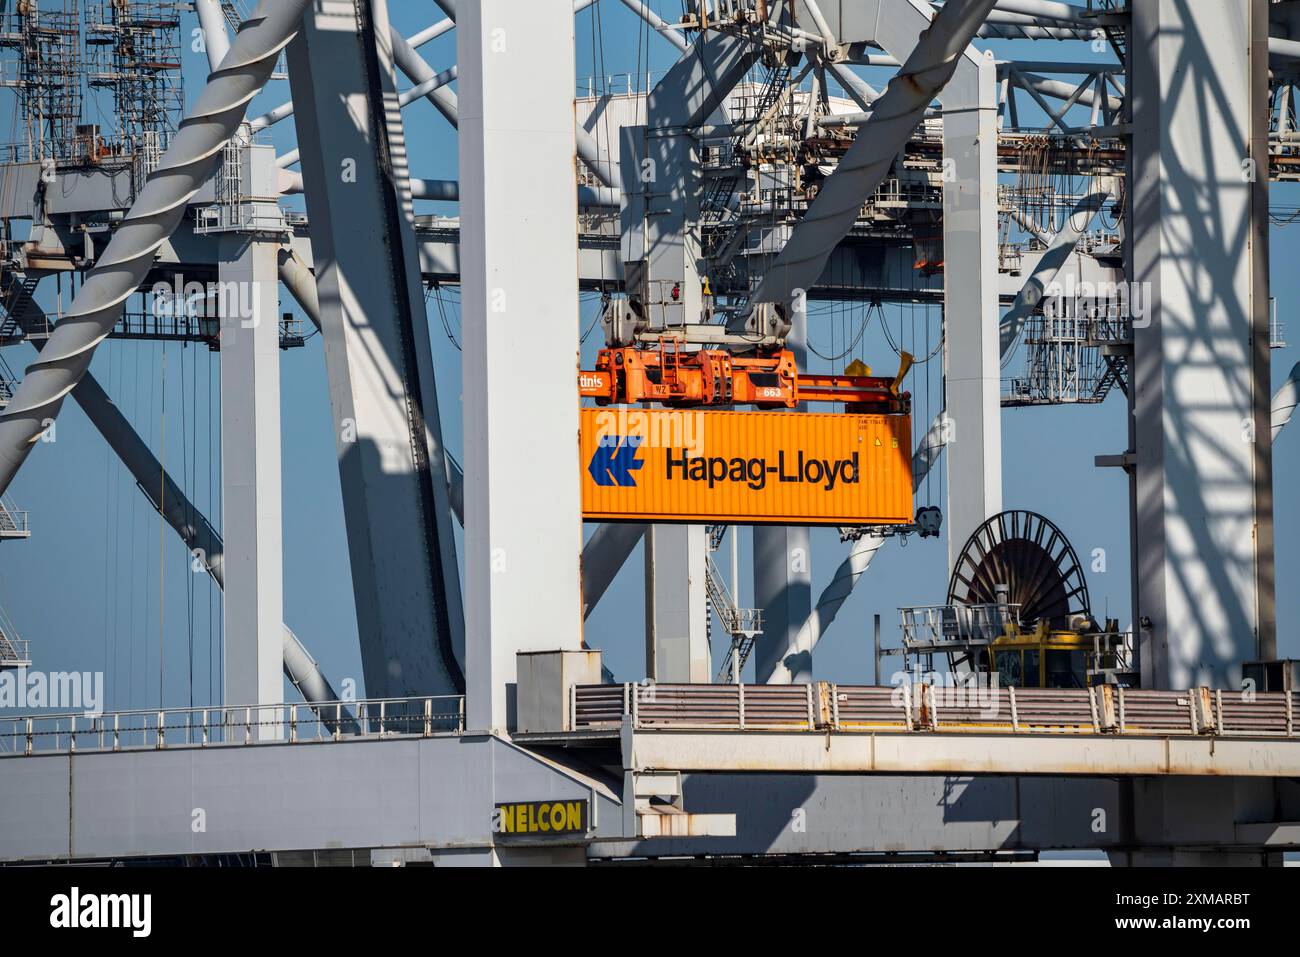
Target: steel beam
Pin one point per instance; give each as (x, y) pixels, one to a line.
(938, 63)
(519, 295)
(377, 352)
(972, 367)
(676, 605)
(253, 596)
(662, 184)
(602, 557)
(657, 24)
(662, 193)
(448, 190)
(212, 23)
(782, 575)
(610, 544)
(420, 73)
(1200, 393)
(964, 753)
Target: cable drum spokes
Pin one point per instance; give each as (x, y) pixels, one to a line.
(1029, 556)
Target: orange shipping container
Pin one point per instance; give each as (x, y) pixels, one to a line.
(795, 468)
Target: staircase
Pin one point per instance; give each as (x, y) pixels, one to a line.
(744, 625)
(16, 291)
(13, 521)
(13, 650)
(1116, 374)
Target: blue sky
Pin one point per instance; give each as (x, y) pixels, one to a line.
(85, 589)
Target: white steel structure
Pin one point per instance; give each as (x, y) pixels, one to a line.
(708, 206)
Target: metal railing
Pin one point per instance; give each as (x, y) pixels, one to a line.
(250, 725)
(13, 520)
(617, 84)
(248, 215)
(926, 625)
(824, 706)
(13, 652)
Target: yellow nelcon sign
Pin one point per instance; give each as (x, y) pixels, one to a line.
(541, 817)
(794, 468)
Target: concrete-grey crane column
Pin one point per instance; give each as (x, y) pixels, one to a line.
(971, 355)
(676, 606)
(1199, 380)
(523, 509)
(156, 213)
(253, 596)
(782, 569)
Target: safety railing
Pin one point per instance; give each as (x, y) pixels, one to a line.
(296, 723)
(13, 520)
(925, 625)
(617, 84)
(1103, 709)
(13, 651)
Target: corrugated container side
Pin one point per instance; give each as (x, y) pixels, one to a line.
(689, 465)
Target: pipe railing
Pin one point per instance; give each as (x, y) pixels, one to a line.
(293, 723)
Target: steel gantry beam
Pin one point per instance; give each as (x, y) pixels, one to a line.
(377, 352)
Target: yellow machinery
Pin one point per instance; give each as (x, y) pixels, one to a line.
(1018, 607)
(1044, 657)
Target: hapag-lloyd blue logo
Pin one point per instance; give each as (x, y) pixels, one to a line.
(615, 459)
(618, 456)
